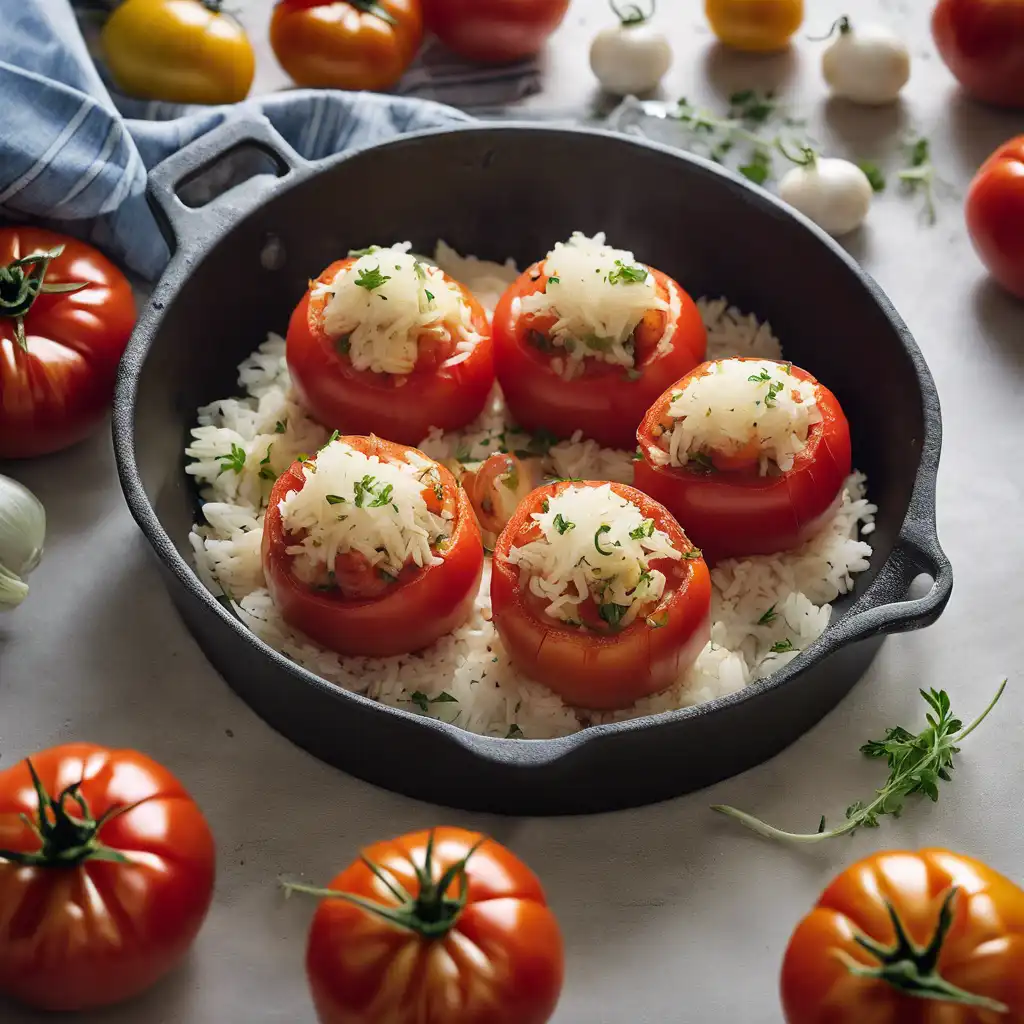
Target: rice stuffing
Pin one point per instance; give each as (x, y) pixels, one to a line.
(764, 609)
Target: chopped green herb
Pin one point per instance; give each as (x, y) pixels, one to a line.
(363, 488)
(514, 732)
(603, 528)
(420, 699)
(782, 646)
(445, 698)
(383, 498)
(368, 251)
(302, 457)
(659, 622)
(874, 175)
(625, 274)
(371, 279)
(344, 344)
(693, 554)
(336, 499)
(280, 426)
(774, 390)
(429, 294)
(420, 271)
(235, 461)
(769, 616)
(563, 526)
(638, 455)
(645, 529)
(439, 491)
(752, 106)
(612, 613)
(762, 378)
(545, 506)
(334, 437)
(554, 280)
(266, 471)
(510, 479)
(702, 462)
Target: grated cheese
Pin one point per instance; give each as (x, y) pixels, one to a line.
(594, 543)
(385, 301)
(355, 502)
(599, 295)
(739, 402)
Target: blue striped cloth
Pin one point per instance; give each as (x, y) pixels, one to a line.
(75, 156)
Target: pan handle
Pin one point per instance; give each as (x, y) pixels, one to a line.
(917, 550)
(185, 227)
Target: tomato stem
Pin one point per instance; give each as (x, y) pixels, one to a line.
(632, 14)
(374, 8)
(65, 840)
(22, 282)
(841, 25)
(431, 913)
(914, 970)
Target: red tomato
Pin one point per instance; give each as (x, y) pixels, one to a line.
(346, 44)
(494, 31)
(605, 402)
(732, 511)
(966, 924)
(438, 927)
(995, 215)
(597, 667)
(57, 386)
(400, 407)
(422, 605)
(982, 43)
(105, 891)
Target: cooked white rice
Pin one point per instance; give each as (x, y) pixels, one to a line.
(761, 603)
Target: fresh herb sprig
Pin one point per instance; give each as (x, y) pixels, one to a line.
(917, 764)
(920, 176)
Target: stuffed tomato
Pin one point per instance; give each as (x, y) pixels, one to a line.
(598, 594)
(749, 454)
(588, 338)
(385, 344)
(371, 548)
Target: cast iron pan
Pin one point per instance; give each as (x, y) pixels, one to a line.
(242, 262)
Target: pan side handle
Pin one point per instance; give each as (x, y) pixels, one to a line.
(187, 227)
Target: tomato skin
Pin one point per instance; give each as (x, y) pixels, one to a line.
(982, 43)
(757, 26)
(363, 970)
(400, 408)
(995, 215)
(602, 671)
(421, 606)
(730, 515)
(983, 953)
(494, 31)
(330, 44)
(62, 947)
(180, 51)
(603, 402)
(58, 392)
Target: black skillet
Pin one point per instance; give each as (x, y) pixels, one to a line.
(241, 263)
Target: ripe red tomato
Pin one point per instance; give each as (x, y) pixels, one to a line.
(982, 43)
(105, 891)
(438, 927)
(400, 407)
(995, 215)
(961, 955)
(406, 615)
(346, 44)
(595, 668)
(736, 512)
(494, 31)
(57, 385)
(606, 403)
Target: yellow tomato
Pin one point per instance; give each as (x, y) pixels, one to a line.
(756, 25)
(183, 51)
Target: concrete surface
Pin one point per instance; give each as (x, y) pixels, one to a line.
(669, 913)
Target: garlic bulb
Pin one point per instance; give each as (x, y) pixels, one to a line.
(22, 534)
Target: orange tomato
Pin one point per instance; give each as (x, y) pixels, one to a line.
(982, 43)
(106, 875)
(930, 937)
(438, 927)
(346, 44)
(760, 26)
(995, 215)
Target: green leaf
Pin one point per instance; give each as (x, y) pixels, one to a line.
(420, 699)
(514, 732)
(627, 274)
(758, 168)
(602, 529)
(371, 279)
(613, 613)
(781, 646)
(874, 175)
(563, 526)
(768, 617)
(235, 461)
(280, 426)
(368, 251)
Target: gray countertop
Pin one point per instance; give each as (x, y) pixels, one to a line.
(669, 913)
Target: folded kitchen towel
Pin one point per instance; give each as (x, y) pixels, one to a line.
(75, 156)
